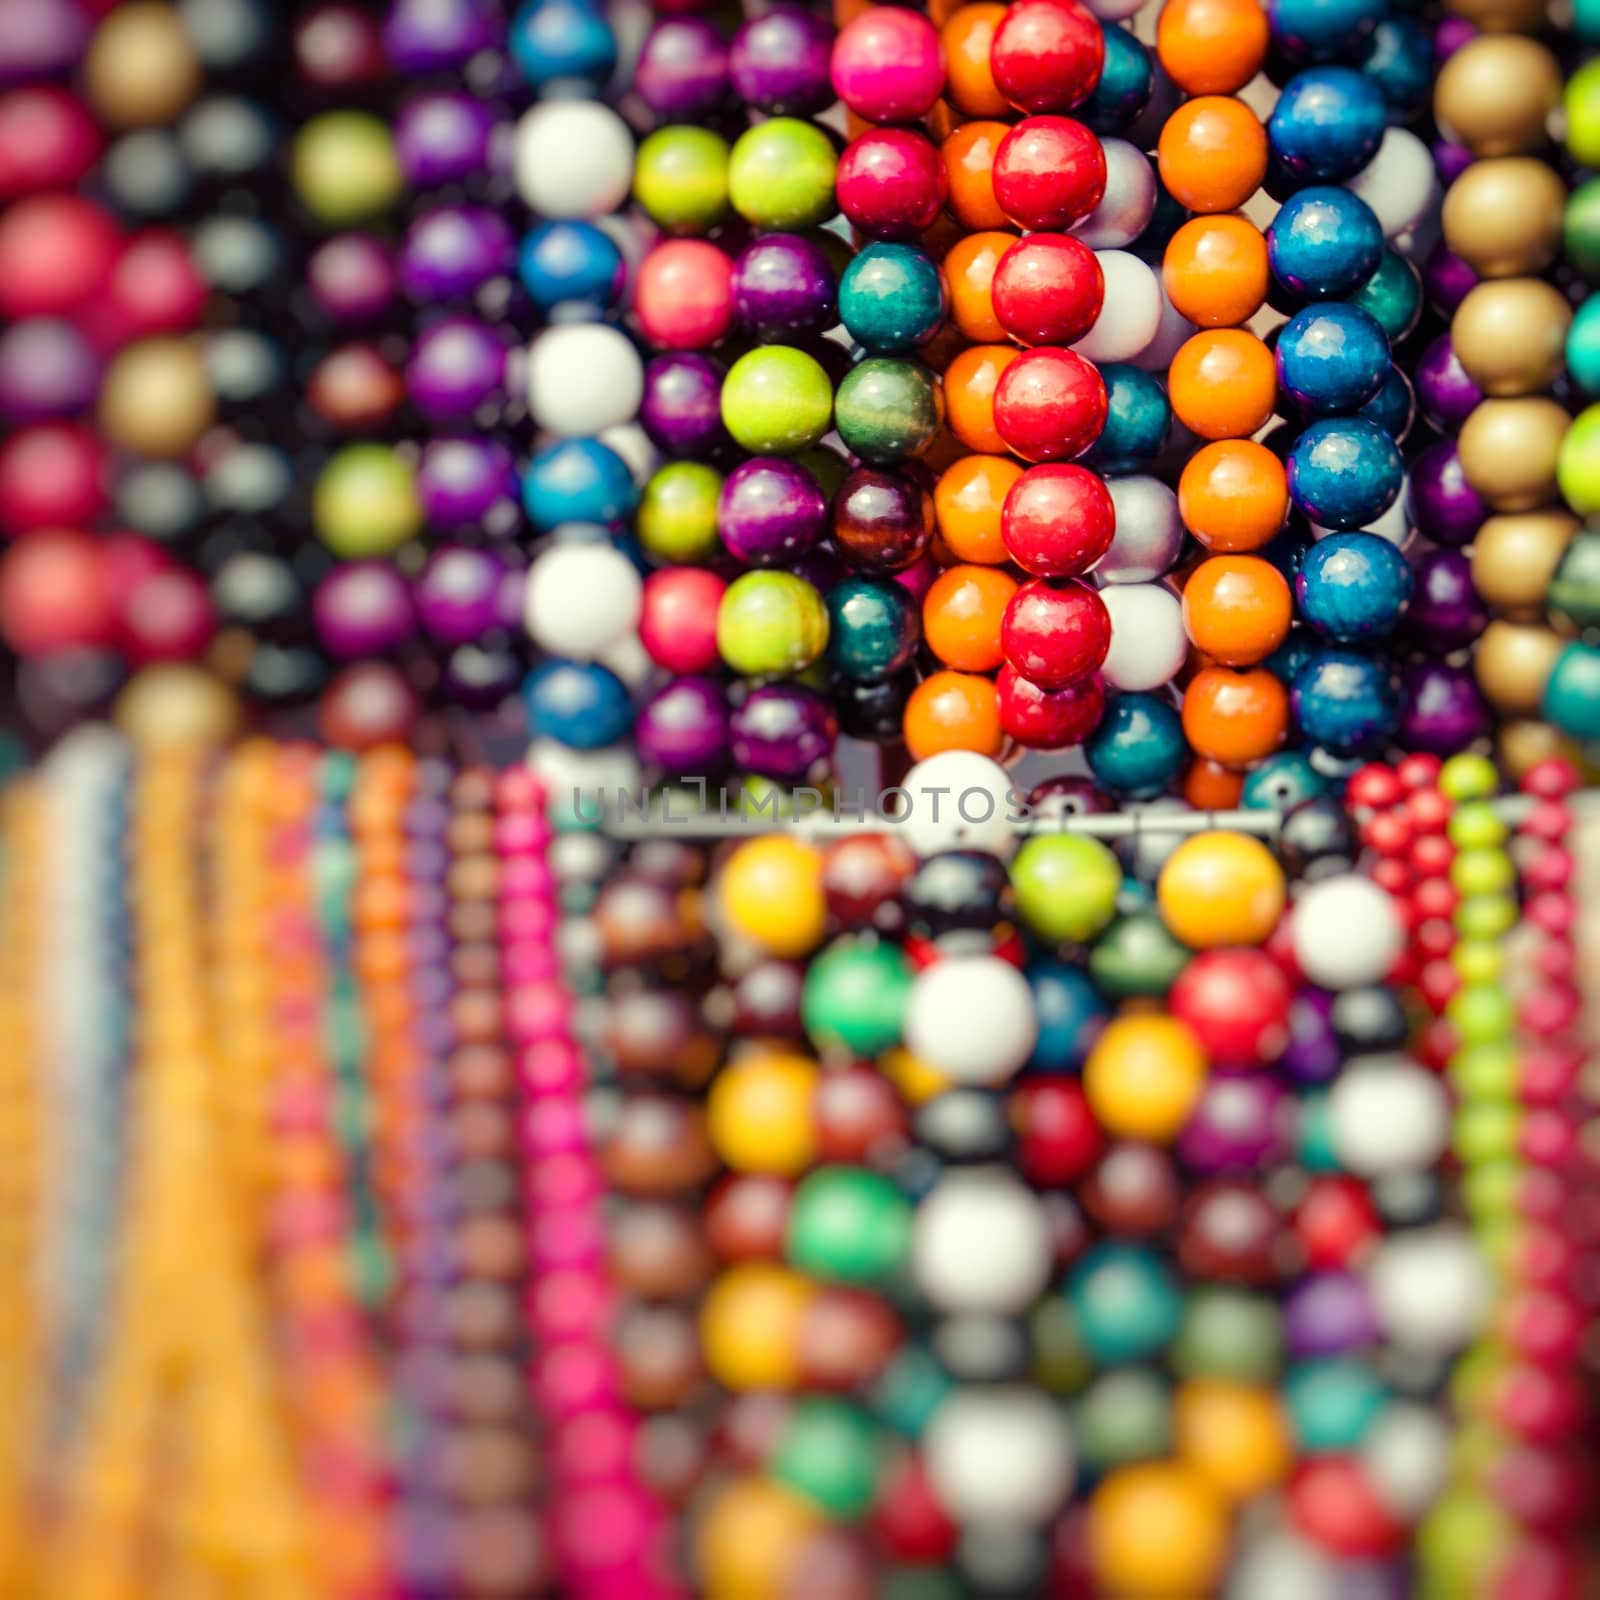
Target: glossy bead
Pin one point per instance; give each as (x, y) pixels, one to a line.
(968, 502)
(1055, 634)
(1331, 359)
(962, 616)
(1048, 289)
(1353, 586)
(1215, 270)
(887, 409)
(882, 521)
(779, 62)
(1049, 172)
(1212, 154)
(1327, 124)
(968, 155)
(952, 711)
(1221, 888)
(1143, 1077)
(1344, 473)
(1324, 243)
(891, 298)
(1138, 748)
(781, 175)
(770, 623)
(1057, 520)
(891, 183)
(1049, 405)
(1344, 701)
(776, 400)
(1138, 419)
(888, 65)
(1236, 609)
(1222, 383)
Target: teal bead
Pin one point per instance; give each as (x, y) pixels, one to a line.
(1586, 21)
(1282, 782)
(1122, 1417)
(1332, 1403)
(1574, 594)
(1314, 1144)
(829, 1452)
(911, 1389)
(1137, 958)
(1128, 1306)
(891, 298)
(1583, 347)
(1138, 419)
(1229, 1334)
(849, 1225)
(888, 408)
(873, 628)
(1392, 296)
(855, 996)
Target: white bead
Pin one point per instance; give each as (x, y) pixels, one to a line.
(581, 599)
(1388, 1115)
(959, 800)
(1130, 318)
(1346, 932)
(999, 1455)
(980, 1243)
(1148, 644)
(1432, 1288)
(573, 158)
(1116, 10)
(972, 1019)
(583, 378)
(1172, 332)
(1278, 1566)
(1406, 1453)
(579, 779)
(1149, 531)
(1130, 199)
(1399, 183)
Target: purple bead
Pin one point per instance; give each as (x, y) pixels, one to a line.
(683, 728)
(1450, 35)
(1240, 1122)
(444, 138)
(1447, 280)
(1442, 710)
(1447, 395)
(770, 511)
(1447, 509)
(1445, 613)
(782, 731)
(363, 609)
(682, 406)
(1329, 1314)
(1374, 1580)
(353, 277)
(47, 369)
(434, 35)
(458, 593)
(454, 251)
(39, 38)
(481, 677)
(783, 287)
(461, 481)
(1312, 1054)
(780, 63)
(456, 366)
(821, 567)
(683, 68)
(1450, 160)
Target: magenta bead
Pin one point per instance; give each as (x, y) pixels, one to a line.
(888, 65)
(363, 609)
(353, 276)
(458, 593)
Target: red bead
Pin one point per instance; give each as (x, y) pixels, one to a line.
(1237, 1003)
(1549, 1073)
(859, 1116)
(1133, 1190)
(1336, 1222)
(678, 624)
(167, 617)
(51, 476)
(1551, 779)
(1374, 787)
(1543, 1325)
(1539, 1404)
(1418, 771)
(746, 1217)
(892, 183)
(1541, 1569)
(1438, 982)
(1546, 1258)
(1047, 55)
(368, 705)
(683, 294)
(1058, 1138)
(1057, 520)
(1549, 820)
(338, 46)
(1551, 868)
(54, 595)
(888, 65)
(1428, 811)
(155, 287)
(1048, 289)
(1049, 172)
(56, 251)
(1550, 1010)
(1433, 937)
(1055, 631)
(1049, 405)
(1551, 912)
(1049, 719)
(47, 141)
(1332, 1503)
(1435, 897)
(910, 1519)
(1556, 961)
(1437, 1044)
(1393, 875)
(1388, 833)
(1547, 1138)
(1431, 855)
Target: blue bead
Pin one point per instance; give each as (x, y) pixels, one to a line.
(1137, 419)
(1324, 243)
(1295, 651)
(552, 40)
(1282, 782)
(1127, 1305)
(1071, 1013)
(1332, 359)
(1332, 1403)
(562, 261)
(1400, 62)
(1353, 587)
(891, 298)
(1392, 295)
(578, 480)
(1125, 84)
(1139, 748)
(1344, 472)
(1327, 125)
(577, 703)
(1323, 30)
(1344, 701)
(1393, 407)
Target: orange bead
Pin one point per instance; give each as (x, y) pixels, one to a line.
(1212, 154)
(1222, 383)
(969, 164)
(1215, 270)
(969, 384)
(969, 275)
(1233, 495)
(1234, 718)
(1236, 609)
(953, 711)
(967, 502)
(961, 617)
(1212, 46)
(1210, 786)
(970, 82)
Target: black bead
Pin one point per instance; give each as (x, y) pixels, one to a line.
(957, 890)
(1317, 838)
(1369, 1020)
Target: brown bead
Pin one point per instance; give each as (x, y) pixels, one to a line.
(481, 1128)
(486, 1388)
(658, 1146)
(473, 921)
(1503, 216)
(847, 1337)
(1523, 745)
(1509, 448)
(490, 1247)
(658, 1251)
(368, 705)
(1513, 662)
(173, 703)
(673, 1454)
(475, 1015)
(1502, 16)
(501, 1551)
(766, 1001)
(746, 1216)
(1510, 335)
(472, 790)
(475, 966)
(482, 1072)
(667, 861)
(470, 833)
(1133, 1190)
(353, 388)
(639, 920)
(861, 878)
(1515, 557)
(658, 1348)
(140, 68)
(1230, 1233)
(1496, 93)
(752, 1424)
(482, 1316)
(659, 1031)
(474, 877)
(481, 1466)
(156, 399)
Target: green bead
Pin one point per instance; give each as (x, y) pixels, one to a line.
(1229, 1334)
(1580, 229)
(1583, 347)
(1481, 1013)
(1066, 886)
(1478, 1447)
(678, 513)
(849, 1225)
(1136, 957)
(1476, 825)
(829, 1452)
(1469, 777)
(1492, 1189)
(1479, 961)
(1486, 1072)
(1486, 916)
(1128, 1305)
(1061, 1362)
(1463, 1537)
(1392, 296)
(777, 400)
(1498, 1240)
(1122, 1417)
(680, 179)
(911, 1389)
(770, 624)
(781, 174)
(1332, 1403)
(365, 502)
(1574, 594)
(760, 796)
(345, 168)
(887, 408)
(921, 1583)
(1486, 1131)
(855, 996)
(1475, 1378)
(1488, 871)
(1583, 115)
(1578, 463)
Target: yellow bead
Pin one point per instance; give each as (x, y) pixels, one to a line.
(750, 1326)
(1235, 1434)
(912, 1076)
(748, 1539)
(1221, 889)
(1143, 1077)
(1157, 1531)
(760, 1114)
(771, 894)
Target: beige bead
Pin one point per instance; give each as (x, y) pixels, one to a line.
(1508, 451)
(157, 399)
(1523, 745)
(1513, 662)
(1510, 335)
(176, 704)
(1496, 93)
(1503, 217)
(141, 69)
(1515, 557)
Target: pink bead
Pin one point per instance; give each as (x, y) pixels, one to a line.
(1550, 869)
(569, 1304)
(605, 1527)
(574, 1237)
(888, 65)
(1552, 913)
(1539, 1569)
(526, 877)
(554, 1127)
(538, 1011)
(595, 1446)
(1546, 1258)
(1550, 1010)
(1538, 1404)
(1549, 1491)
(1547, 1139)
(570, 1379)
(557, 1182)
(528, 961)
(521, 833)
(554, 1067)
(1543, 1326)
(534, 917)
(519, 789)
